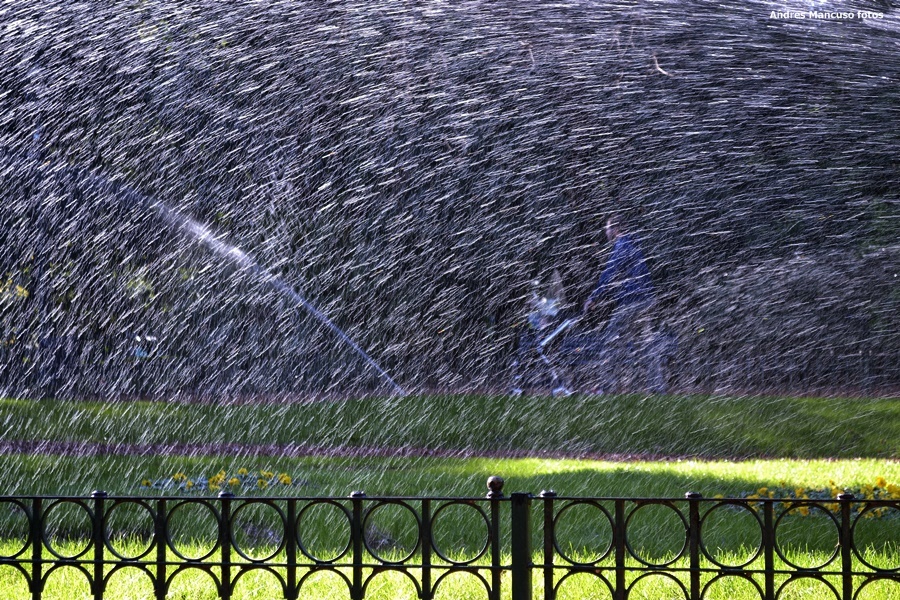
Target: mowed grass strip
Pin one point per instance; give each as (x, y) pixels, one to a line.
(428, 476)
(711, 427)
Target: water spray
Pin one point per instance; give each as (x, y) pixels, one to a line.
(204, 235)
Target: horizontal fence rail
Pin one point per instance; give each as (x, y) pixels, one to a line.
(518, 546)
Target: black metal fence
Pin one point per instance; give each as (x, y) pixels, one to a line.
(513, 546)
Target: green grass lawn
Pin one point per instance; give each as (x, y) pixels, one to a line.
(312, 476)
(809, 442)
(728, 447)
(695, 426)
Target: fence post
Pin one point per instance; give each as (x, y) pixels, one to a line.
(693, 499)
(290, 542)
(769, 548)
(846, 541)
(619, 543)
(225, 542)
(548, 496)
(162, 542)
(37, 545)
(520, 539)
(425, 542)
(356, 536)
(495, 485)
(98, 583)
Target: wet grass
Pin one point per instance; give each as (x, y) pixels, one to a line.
(712, 427)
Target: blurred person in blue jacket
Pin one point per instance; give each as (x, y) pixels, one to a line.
(625, 283)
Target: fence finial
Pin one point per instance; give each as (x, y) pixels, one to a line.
(495, 485)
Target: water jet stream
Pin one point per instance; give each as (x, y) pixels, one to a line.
(204, 235)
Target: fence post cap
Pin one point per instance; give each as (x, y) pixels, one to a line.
(693, 495)
(99, 494)
(846, 496)
(226, 495)
(547, 494)
(521, 497)
(495, 485)
(357, 494)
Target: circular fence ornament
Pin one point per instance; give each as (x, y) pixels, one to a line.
(257, 530)
(192, 529)
(460, 532)
(324, 531)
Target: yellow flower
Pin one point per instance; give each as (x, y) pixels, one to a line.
(179, 477)
(762, 491)
(188, 484)
(284, 479)
(145, 482)
(234, 481)
(803, 510)
(893, 490)
(242, 471)
(267, 474)
(262, 483)
(881, 482)
(799, 493)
